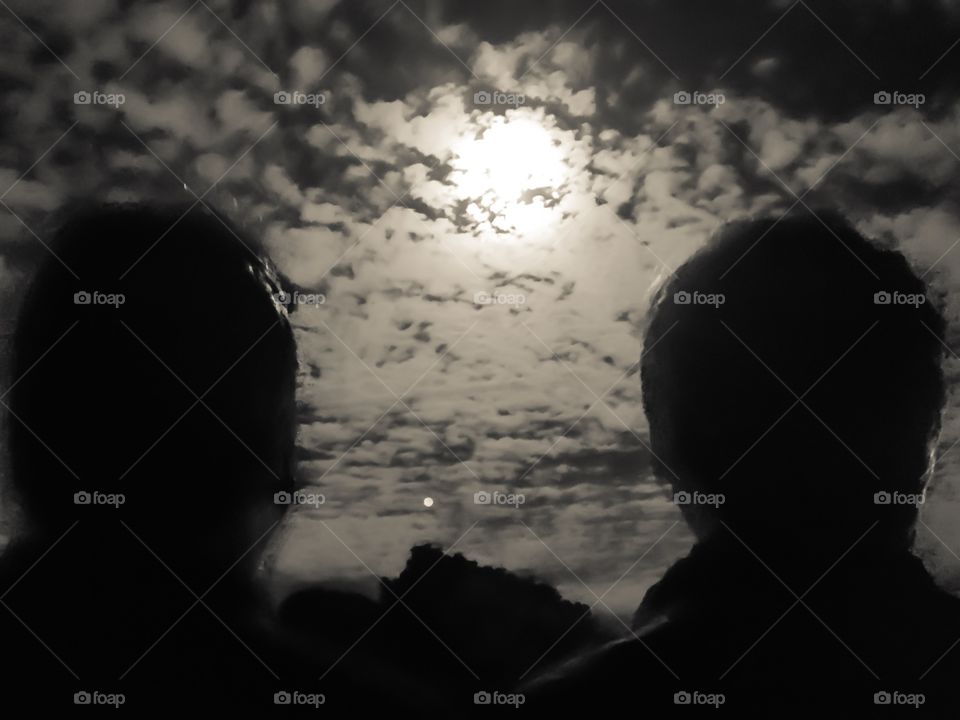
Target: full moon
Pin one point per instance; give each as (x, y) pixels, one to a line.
(511, 173)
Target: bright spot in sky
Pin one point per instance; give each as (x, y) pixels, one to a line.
(507, 160)
(428, 501)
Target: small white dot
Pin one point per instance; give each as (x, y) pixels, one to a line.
(428, 501)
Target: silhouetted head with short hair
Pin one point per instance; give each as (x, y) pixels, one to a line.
(792, 372)
(152, 360)
(793, 385)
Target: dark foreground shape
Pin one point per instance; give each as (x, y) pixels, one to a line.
(792, 380)
(151, 420)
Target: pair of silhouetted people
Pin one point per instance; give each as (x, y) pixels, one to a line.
(793, 385)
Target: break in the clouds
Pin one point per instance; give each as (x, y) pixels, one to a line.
(485, 197)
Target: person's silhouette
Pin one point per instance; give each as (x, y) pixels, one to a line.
(151, 422)
(792, 382)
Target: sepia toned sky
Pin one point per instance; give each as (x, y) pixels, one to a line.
(437, 155)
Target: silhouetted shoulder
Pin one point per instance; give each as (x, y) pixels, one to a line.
(609, 676)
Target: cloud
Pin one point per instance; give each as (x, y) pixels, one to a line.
(29, 194)
(237, 113)
(181, 37)
(308, 65)
(276, 181)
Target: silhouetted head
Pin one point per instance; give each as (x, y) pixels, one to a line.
(152, 360)
(795, 368)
